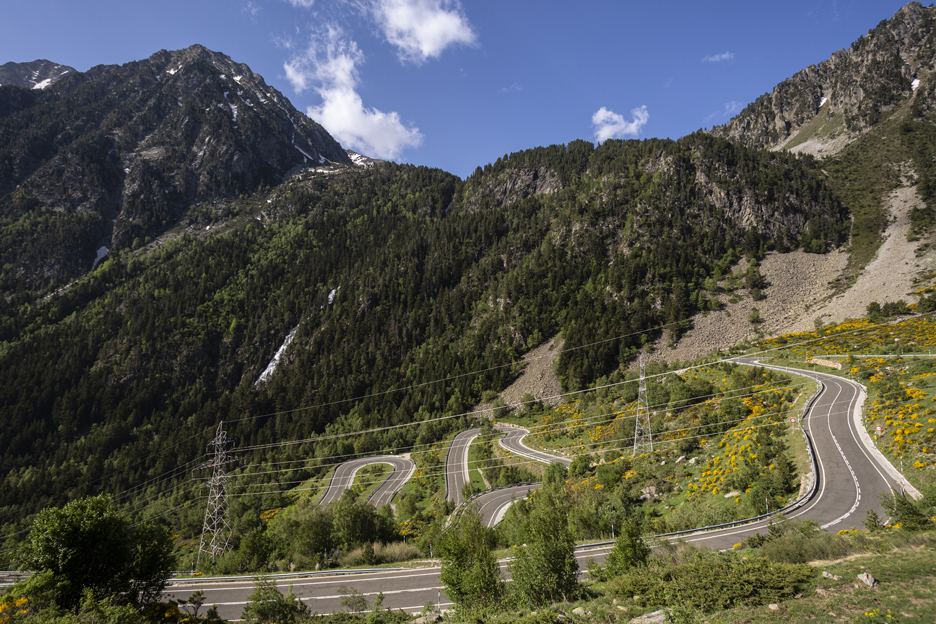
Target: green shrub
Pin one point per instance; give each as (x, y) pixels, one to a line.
(394, 552)
(545, 569)
(711, 581)
(629, 551)
(908, 513)
(268, 604)
(802, 546)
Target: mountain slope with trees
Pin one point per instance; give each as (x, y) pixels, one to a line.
(409, 294)
(394, 280)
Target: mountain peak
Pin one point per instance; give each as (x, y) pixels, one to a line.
(37, 74)
(127, 150)
(823, 107)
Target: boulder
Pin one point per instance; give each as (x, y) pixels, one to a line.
(867, 579)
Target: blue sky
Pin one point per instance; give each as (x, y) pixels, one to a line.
(457, 85)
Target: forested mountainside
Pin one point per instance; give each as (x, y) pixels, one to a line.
(853, 88)
(104, 159)
(395, 277)
(387, 293)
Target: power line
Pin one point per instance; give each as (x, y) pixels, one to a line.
(761, 353)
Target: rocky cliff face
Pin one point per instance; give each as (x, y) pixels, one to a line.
(509, 187)
(35, 75)
(893, 62)
(110, 156)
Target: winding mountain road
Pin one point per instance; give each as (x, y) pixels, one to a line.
(513, 442)
(456, 465)
(850, 477)
(493, 504)
(403, 468)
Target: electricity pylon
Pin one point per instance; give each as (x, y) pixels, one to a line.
(643, 441)
(215, 530)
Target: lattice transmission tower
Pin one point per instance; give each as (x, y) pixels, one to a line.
(643, 441)
(216, 529)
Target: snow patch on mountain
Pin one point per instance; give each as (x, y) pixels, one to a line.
(277, 357)
(101, 252)
(360, 160)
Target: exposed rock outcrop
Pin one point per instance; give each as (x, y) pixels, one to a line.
(852, 87)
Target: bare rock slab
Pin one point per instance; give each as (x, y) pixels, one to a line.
(867, 579)
(657, 617)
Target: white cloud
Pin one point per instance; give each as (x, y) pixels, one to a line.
(717, 58)
(422, 29)
(731, 108)
(252, 9)
(609, 124)
(302, 4)
(329, 66)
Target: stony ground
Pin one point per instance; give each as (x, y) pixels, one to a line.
(538, 378)
(893, 274)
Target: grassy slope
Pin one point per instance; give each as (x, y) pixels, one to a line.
(862, 174)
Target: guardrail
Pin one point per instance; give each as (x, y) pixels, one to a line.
(8, 578)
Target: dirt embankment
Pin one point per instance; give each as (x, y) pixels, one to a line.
(538, 379)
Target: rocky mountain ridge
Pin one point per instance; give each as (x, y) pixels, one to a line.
(848, 92)
(37, 74)
(108, 157)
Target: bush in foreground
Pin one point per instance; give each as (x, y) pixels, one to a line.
(710, 581)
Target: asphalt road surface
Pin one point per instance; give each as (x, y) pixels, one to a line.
(343, 477)
(849, 480)
(456, 465)
(494, 504)
(513, 442)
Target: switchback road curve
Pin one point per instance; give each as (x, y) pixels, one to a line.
(494, 504)
(849, 479)
(343, 477)
(513, 442)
